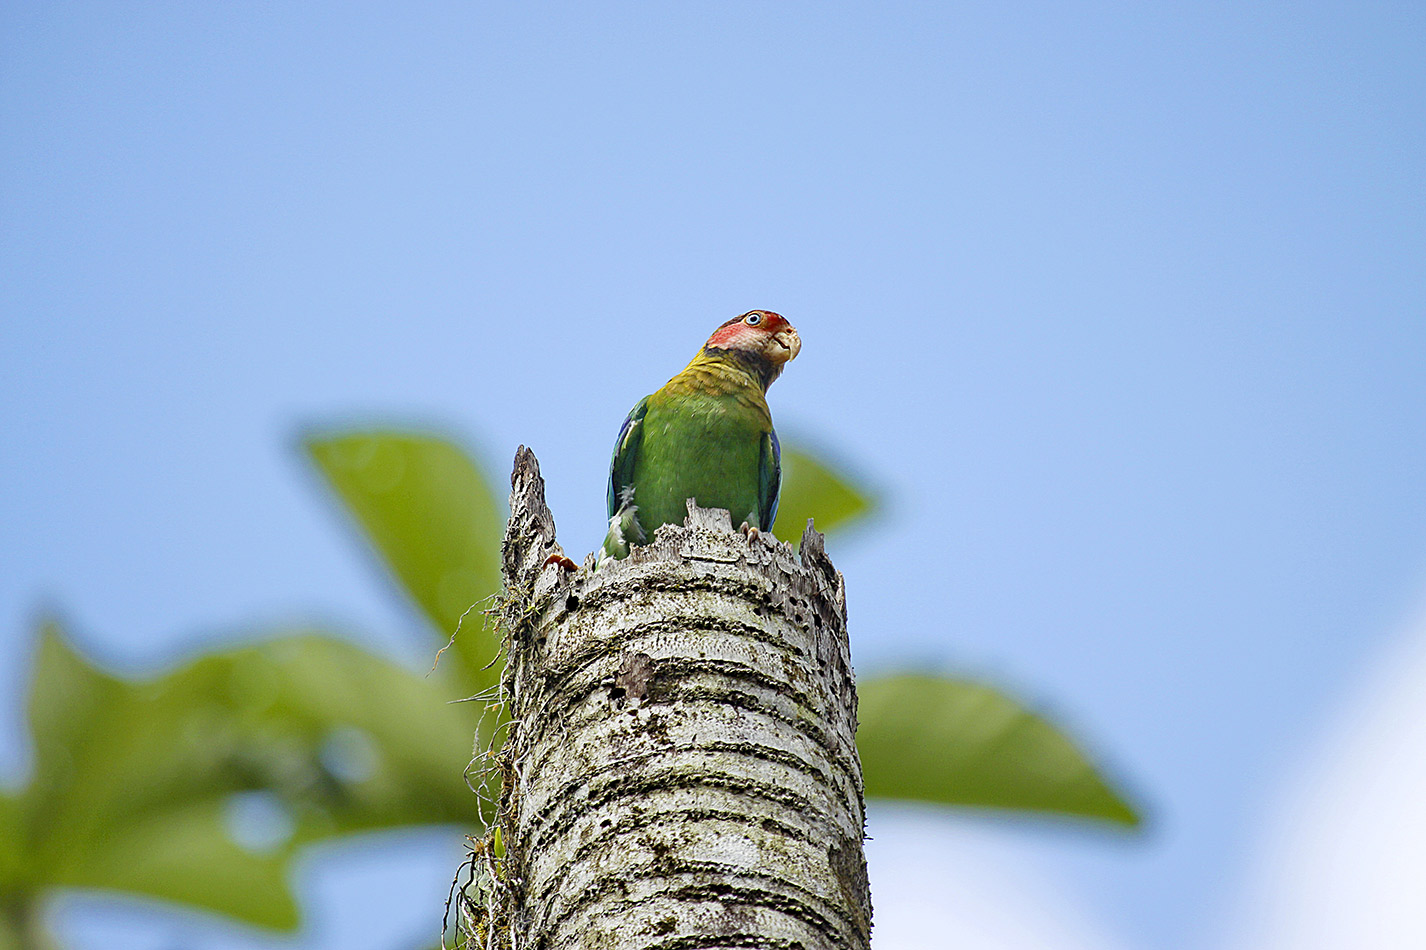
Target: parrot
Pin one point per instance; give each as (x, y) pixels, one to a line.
(706, 435)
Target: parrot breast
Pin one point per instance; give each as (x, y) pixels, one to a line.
(700, 446)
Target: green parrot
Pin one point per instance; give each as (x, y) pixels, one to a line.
(706, 435)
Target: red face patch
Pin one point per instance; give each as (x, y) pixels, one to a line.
(746, 331)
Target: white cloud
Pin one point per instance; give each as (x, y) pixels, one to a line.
(1344, 863)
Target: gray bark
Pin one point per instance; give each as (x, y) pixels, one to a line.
(680, 771)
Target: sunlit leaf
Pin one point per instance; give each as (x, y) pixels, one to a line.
(132, 778)
(813, 488)
(954, 742)
(431, 515)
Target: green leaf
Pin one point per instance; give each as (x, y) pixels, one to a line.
(928, 738)
(431, 515)
(184, 854)
(133, 779)
(812, 488)
(12, 865)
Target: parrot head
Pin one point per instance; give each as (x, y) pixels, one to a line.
(760, 337)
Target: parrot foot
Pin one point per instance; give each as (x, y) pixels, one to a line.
(562, 561)
(747, 529)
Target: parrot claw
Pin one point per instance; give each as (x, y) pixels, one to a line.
(749, 531)
(562, 561)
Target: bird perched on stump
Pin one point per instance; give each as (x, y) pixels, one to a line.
(706, 435)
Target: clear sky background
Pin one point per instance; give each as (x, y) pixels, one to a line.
(1119, 306)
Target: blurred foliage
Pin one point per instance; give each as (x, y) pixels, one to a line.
(134, 783)
(953, 742)
(812, 489)
(432, 517)
(142, 786)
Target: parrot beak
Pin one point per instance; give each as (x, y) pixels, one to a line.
(785, 345)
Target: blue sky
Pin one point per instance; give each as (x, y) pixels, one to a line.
(1120, 306)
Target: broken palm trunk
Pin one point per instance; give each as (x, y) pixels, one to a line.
(680, 770)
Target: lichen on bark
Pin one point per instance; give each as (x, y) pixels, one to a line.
(680, 769)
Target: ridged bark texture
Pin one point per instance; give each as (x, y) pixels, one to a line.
(681, 770)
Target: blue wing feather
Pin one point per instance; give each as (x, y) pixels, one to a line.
(769, 480)
(626, 453)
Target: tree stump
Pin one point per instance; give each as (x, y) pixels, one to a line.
(680, 769)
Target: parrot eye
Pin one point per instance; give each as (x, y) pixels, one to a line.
(753, 319)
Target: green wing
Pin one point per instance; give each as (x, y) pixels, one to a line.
(626, 453)
(769, 480)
